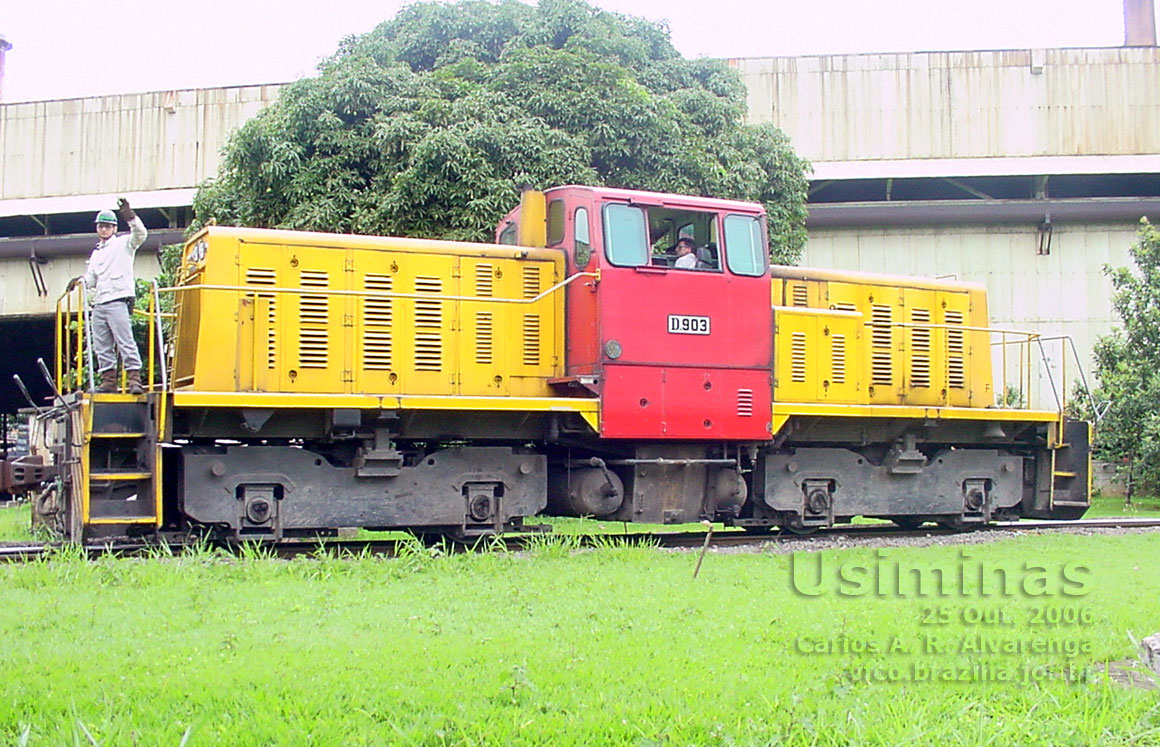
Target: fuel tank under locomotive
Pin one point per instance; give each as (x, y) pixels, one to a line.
(651, 483)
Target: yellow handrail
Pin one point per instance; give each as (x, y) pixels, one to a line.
(69, 366)
(264, 289)
(68, 373)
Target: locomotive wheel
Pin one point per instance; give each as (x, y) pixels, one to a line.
(768, 529)
(798, 530)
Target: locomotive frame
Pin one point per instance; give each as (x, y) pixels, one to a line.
(316, 381)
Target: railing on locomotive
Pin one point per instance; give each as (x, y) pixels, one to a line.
(1067, 351)
(1026, 343)
(74, 341)
(254, 289)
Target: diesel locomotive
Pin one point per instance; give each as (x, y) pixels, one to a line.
(308, 382)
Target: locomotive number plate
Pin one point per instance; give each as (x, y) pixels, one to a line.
(679, 324)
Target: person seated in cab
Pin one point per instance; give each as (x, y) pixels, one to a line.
(686, 259)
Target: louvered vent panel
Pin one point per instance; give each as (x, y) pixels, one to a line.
(798, 357)
(920, 348)
(483, 337)
(956, 371)
(313, 315)
(265, 276)
(484, 279)
(845, 307)
(260, 276)
(800, 296)
(312, 348)
(838, 359)
(881, 340)
(531, 281)
(428, 325)
(377, 323)
(531, 339)
(745, 403)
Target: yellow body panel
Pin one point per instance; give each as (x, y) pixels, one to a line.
(302, 313)
(875, 339)
(821, 363)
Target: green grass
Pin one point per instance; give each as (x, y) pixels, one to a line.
(16, 523)
(554, 646)
(1109, 506)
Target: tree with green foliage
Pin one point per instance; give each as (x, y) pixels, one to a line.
(1127, 365)
(428, 125)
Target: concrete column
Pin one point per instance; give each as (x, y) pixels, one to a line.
(1139, 23)
(4, 47)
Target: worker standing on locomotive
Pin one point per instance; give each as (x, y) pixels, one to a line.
(109, 280)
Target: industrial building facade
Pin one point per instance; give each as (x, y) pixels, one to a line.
(1027, 170)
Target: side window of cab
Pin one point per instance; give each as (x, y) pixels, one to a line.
(508, 234)
(555, 222)
(582, 254)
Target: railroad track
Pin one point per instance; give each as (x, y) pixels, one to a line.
(674, 540)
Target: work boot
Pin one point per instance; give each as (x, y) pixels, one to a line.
(108, 382)
(135, 381)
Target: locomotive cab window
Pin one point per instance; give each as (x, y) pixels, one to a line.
(583, 248)
(625, 235)
(555, 222)
(508, 234)
(638, 236)
(745, 249)
(669, 227)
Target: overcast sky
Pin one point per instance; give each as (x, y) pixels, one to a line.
(67, 48)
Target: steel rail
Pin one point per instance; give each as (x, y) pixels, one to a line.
(526, 541)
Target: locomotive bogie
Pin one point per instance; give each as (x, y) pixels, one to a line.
(273, 491)
(818, 485)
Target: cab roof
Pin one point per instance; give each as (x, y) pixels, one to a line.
(662, 199)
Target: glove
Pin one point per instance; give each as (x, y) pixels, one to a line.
(72, 284)
(124, 210)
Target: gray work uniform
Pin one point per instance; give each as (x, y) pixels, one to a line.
(109, 282)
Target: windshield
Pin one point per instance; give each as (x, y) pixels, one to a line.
(624, 235)
(745, 245)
